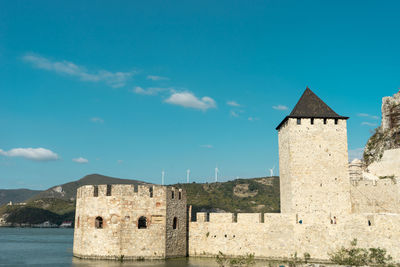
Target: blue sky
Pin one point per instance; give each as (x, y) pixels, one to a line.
(129, 88)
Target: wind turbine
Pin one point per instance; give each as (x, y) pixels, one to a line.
(187, 175)
(216, 174)
(162, 177)
(271, 171)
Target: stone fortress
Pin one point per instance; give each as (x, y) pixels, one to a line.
(322, 209)
(130, 222)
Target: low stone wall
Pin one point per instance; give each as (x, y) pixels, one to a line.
(375, 196)
(281, 235)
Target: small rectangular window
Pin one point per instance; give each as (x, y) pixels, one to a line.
(312, 120)
(172, 194)
(325, 120)
(336, 121)
(151, 191)
(96, 191)
(298, 121)
(108, 190)
(180, 195)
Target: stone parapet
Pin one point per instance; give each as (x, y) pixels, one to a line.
(124, 190)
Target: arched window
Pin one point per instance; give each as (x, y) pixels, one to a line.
(142, 223)
(98, 223)
(175, 223)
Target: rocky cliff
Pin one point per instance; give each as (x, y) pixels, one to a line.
(386, 136)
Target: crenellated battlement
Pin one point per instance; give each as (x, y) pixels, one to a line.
(244, 218)
(124, 190)
(315, 122)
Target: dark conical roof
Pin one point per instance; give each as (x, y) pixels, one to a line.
(311, 106)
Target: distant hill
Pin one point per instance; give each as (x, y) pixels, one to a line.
(240, 195)
(68, 191)
(16, 195)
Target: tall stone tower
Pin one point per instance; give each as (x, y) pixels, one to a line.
(313, 159)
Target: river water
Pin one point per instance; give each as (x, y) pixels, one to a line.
(53, 247)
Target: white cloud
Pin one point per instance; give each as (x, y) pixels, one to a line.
(234, 113)
(113, 79)
(189, 100)
(97, 120)
(365, 115)
(36, 154)
(120, 161)
(207, 146)
(150, 91)
(356, 153)
(280, 107)
(369, 124)
(253, 119)
(233, 104)
(80, 160)
(156, 78)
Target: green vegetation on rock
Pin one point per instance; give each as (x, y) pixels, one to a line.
(384, 138)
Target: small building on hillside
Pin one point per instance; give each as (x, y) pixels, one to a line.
(66, 224)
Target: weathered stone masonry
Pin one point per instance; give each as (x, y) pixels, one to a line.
(281, 235)
(162, 209)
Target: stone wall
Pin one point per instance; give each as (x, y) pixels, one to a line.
(375, 196)
(313, 166)
(120, 210)
(281, 235)
(388, 165)
(176, 242)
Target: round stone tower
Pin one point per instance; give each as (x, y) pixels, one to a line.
(130, 222)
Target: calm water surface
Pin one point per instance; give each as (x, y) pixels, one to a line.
(53, 247)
